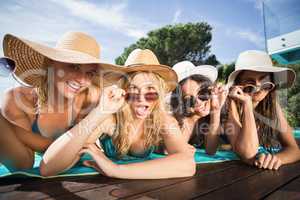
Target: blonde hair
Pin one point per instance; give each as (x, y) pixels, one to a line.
(42, 88)
(153, 123)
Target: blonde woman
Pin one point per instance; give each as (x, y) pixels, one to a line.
(136, 129)
(61, 88)
(255, 115)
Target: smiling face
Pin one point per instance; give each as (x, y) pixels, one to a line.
(257, 79)
(141, 84)
(191, 88)
(71, 79)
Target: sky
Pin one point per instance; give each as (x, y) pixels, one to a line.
(116, 24)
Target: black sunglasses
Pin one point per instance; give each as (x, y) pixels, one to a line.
(7, 66)
(149, 96)
(189, 102)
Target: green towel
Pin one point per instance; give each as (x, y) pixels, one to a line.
(79, 169)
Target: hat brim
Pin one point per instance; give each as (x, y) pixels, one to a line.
(169, 75)
(283, 77)
(209, 72)
(29, 57)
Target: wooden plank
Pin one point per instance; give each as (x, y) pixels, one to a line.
(202, 184)
(257, 186)
(132, 187)
(50, 188)
(290, 191)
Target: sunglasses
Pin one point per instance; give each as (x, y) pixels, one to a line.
(251, 89)
(190, 102)
(149, 96)
(7, 66)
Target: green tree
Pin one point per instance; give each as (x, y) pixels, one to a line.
(293, 98)
(175, 43)
(224, 71)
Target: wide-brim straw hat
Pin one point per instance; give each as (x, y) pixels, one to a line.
(185, 69)
(260, 61)
(145, 61)
(72, 47)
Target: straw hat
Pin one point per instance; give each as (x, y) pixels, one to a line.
(146, 61)
(186, 69)
(72, 47)
(260, 61)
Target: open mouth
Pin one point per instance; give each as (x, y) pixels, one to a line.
(142, 110)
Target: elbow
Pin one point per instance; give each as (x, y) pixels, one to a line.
(210, 152)
(246, 152)
(44, 170)
(189, 164)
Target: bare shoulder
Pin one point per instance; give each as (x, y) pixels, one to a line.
(169, 119)
(20, 98)
(18, 105)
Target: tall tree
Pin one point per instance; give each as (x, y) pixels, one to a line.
(175, 43)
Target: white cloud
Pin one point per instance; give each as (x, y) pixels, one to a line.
(176, 16)
(258, 3)
(112, 16)
(251, 36)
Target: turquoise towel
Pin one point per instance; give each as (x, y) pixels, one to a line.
(80, 170)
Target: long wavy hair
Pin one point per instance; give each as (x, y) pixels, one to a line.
(42, 88)
(266, 118)
(153, 123)
(177, 105)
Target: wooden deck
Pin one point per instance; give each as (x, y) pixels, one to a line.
(228, 180)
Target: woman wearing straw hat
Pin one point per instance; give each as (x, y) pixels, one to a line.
(255, 117)
(136, 129)
(197, 103)
(62, 87)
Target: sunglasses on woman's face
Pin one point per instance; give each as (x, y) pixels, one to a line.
(149, 96)
(7, 66)
(251, 89)
(189, 102)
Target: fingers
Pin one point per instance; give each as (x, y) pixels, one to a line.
(277, 164)
(268, 161)
(260, 160)
(92, 164)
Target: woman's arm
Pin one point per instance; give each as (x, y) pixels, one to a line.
(63, 152)
(290, 152)
(246, 141)
(178, 163)
(218, 98)
(17, 107)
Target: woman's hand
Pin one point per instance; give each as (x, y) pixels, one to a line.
(237, 93)
(268, 161)
(111, 100)
(101, 163)
(218, 97)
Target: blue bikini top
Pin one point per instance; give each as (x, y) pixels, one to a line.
(111, 152)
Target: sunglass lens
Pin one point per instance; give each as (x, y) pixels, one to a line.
(7, 66)
(249, 89)
(204, 94)
(151, 96)
(267, 86)
(132, 97)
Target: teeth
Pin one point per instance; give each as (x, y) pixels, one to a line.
(74, 85)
